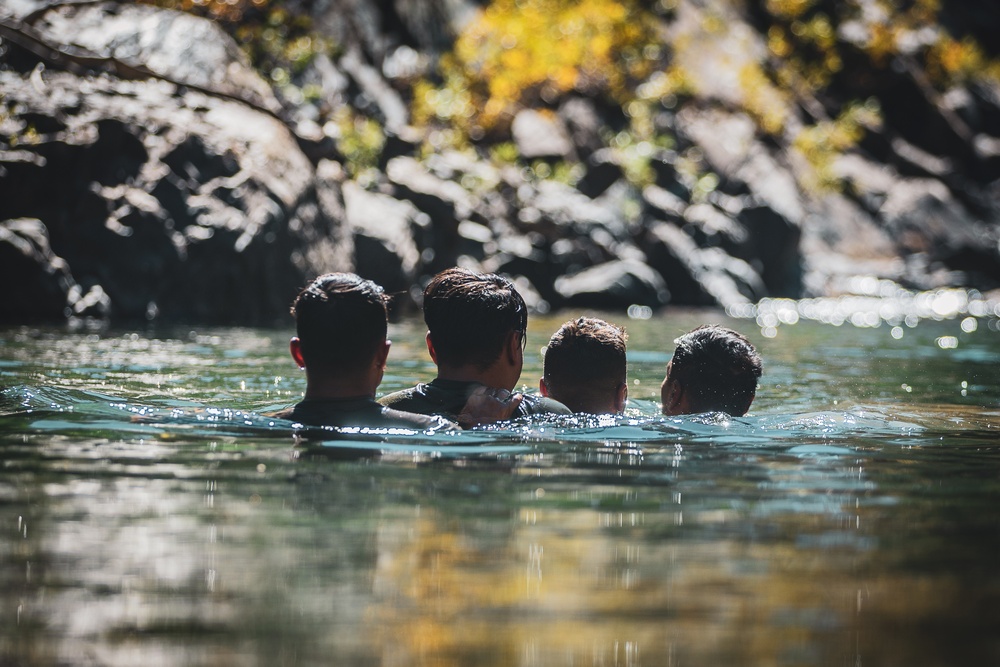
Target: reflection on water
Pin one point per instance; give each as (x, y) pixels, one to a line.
(149, 513)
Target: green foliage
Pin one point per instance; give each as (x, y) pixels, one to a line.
(518, 54)
(280, 44)
(504, 152)
(823, 142)
(806, 56)
(15, 132)
(528, 53)
(633, 150)
(803, 38)
(226, 11)
(765, 102)
(360, 141)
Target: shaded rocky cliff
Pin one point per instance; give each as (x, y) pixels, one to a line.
(148, 171)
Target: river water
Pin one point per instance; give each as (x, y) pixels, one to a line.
(149, 515)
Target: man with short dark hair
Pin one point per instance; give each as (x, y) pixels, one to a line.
(584, 367)
(476, 328)
(340, 322)
(714, 369)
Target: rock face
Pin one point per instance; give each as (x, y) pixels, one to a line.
(146, 171)
(170, 202)
(614, 285)
(172, 45)
(383, 237)
(46, 289)
(930, 225)
(540, 135)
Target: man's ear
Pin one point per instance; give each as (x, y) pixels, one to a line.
(621, 397)
(673, 398)
(295, 347)
(430, 347)
(542, 387)
(382, 353)
(512, 346)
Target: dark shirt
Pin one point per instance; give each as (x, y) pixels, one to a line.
(361, 411)
(448, 397)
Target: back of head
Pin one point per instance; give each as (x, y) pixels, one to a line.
(340, 320)
(469, 316)
(718, 369)
(585, 364)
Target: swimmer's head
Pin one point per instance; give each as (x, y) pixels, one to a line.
(714, 369)
(584, 366)
(340, 321)
(470, 317)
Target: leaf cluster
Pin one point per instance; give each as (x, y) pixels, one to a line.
(809, 42)
(530, 53)
(279, 40)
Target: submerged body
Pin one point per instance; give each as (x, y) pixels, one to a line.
(447, 398)
(359, 411)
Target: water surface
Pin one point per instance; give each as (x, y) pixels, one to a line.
(150, 514)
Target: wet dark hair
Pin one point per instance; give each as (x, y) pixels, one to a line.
(585, 362)
(469, 316)
(718, 368)
(340, 320)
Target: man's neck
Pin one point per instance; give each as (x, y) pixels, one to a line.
(331, 388)
(594, 408)
(491, 376)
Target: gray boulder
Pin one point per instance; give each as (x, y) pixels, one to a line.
(731, 148)
(445, 203)
(924, 219)
(603, 170)
(383, 232)
(561, 210)
(528, 255)
(541, 135)
(699, 276)
(662, 204)
(174, 202)
(45, 288)
(172, 45)
(583, 123)
(771, 244)
(613, 285)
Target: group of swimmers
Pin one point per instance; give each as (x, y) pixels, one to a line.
(476, 334)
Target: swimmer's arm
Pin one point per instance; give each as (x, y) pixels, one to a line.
(487, 405)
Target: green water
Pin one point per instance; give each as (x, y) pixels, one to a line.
(150, 516)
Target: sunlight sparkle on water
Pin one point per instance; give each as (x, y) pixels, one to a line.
(182, 519)
(637, 312)
(869, 304)
(947, 342)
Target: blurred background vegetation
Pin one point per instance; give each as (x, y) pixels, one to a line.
(815, 85)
